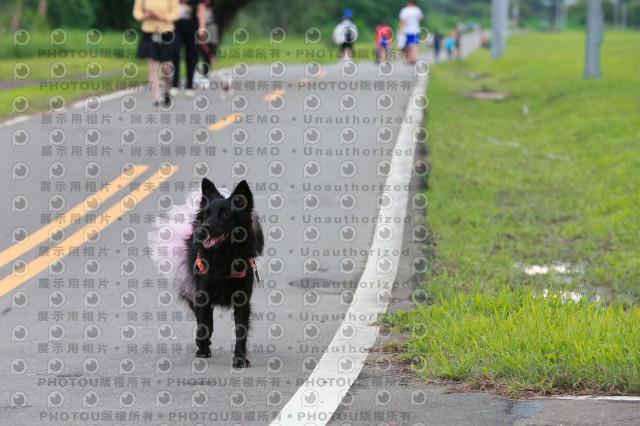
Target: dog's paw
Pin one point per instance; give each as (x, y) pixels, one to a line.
(203, 353)
(241, 363)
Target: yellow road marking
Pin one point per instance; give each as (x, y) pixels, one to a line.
(274, 94)
(221, 124)
(322, 73)
(127, 203)
(303, 81)
(91, 203)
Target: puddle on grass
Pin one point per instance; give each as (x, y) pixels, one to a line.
(562, 268)
(564, 273)
(574, 296)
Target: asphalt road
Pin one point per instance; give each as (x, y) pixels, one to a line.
(92, 331)
(93, 334)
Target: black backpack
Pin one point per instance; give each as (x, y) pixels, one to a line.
(348, 34)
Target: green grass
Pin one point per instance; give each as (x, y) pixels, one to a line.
(510, 189)
(517, 343)
(39, 98)
(41, 68)
(544, 187)
(39, 56)
(69, 40)
(445, 22)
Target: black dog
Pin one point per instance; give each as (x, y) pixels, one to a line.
(226, 238)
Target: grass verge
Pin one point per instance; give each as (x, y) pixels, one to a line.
(38, 60)
(517, 343)
(545, 177)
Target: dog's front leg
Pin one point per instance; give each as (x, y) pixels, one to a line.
(241, 315)
(204, 317)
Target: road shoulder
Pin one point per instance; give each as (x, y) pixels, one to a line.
(390, 392)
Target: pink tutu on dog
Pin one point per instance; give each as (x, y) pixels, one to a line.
(167, 242)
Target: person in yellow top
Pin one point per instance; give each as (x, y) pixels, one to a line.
(157, 43)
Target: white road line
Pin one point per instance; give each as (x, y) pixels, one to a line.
(600, 398)
(318, 398)
(109, 96)
(18, 119)
(77, 104)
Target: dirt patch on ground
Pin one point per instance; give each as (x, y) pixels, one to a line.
(486, 96)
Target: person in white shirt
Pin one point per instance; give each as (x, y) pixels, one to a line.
(410, 17)
(345, 34)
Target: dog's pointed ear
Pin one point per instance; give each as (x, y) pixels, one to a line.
(242, 198)
(209, 189)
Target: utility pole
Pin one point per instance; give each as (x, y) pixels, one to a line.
(515, 13)
(499, 26)
(17, 16)
(559, 15)
(595, 34)
(42, 8)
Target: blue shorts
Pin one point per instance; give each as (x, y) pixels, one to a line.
(413, 39)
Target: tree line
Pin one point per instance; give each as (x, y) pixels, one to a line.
(295, 16)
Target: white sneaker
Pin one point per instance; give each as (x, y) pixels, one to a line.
(189, 93)
(174, 91)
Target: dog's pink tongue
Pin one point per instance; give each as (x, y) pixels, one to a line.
(212, 241)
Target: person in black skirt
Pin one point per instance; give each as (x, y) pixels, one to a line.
(157, 43)
(208, 45)
(188, 28)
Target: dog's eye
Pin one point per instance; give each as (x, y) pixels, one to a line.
(224, 213)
